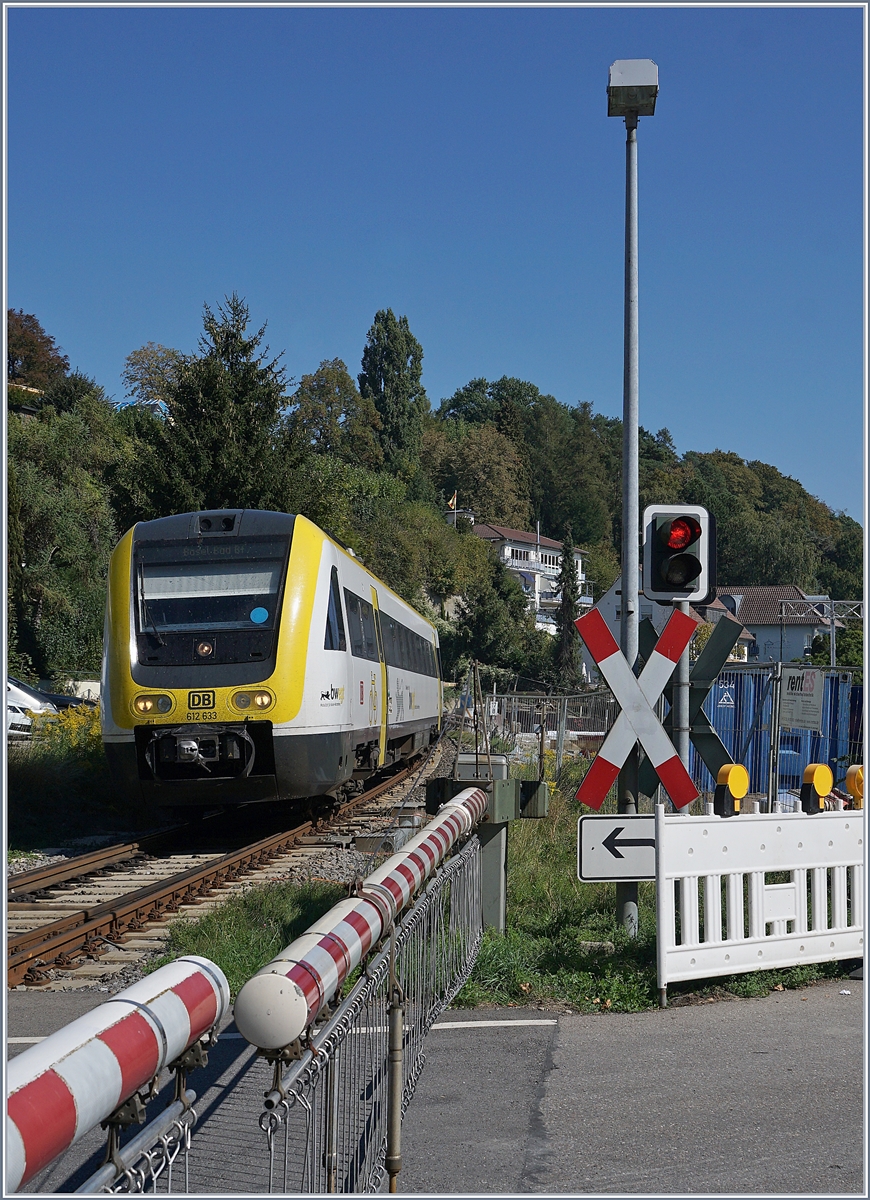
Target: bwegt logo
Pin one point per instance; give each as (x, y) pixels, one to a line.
(200, 699)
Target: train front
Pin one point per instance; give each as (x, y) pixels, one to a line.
(193, 655)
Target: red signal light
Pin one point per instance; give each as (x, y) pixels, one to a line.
(681, 533)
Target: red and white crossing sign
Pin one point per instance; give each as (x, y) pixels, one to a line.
(637, 722)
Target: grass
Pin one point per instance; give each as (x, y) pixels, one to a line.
(251, 927)
(60, 788)
(562, 947)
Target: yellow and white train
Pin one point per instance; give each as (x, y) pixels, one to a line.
(250, 657)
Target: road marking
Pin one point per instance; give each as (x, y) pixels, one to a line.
(29, 1041)
(488, 1024)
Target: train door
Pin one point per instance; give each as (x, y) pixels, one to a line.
(382, 756)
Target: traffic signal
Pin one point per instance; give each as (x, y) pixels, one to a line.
(679, 553)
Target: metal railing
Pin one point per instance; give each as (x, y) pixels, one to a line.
(332, 1122)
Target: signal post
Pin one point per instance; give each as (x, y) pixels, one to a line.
(679, 568)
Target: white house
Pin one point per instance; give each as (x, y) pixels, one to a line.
(535, 561)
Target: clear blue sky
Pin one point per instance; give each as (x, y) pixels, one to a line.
(458, 166)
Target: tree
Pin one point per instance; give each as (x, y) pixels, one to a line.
(66, 532)
(67, 392)
(841, 570)
(392, 365)
(331, 417)
(150, 373)
(32, 358)
(17, 661)
(483, 467)
(849, 646)
(223, 441)
(601, 567)
(567, 655)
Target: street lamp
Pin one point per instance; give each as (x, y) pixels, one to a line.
(631, 93)
(633, 87)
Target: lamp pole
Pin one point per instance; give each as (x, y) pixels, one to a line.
(631, 93)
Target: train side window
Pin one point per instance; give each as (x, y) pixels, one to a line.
(335, 638)
(361, 621)
(354, 622)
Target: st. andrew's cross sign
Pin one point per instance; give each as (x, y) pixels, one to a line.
(637, 721)
(703, 675)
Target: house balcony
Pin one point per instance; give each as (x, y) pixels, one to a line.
(550, 600)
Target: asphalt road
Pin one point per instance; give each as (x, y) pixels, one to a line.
(745, 1096)
(750, 1096)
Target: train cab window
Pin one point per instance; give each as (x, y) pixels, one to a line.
(335, 638)
(200, 587)
(361, 627)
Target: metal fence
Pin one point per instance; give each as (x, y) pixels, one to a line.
(328, 1117)
(742, 706)
(573, 726)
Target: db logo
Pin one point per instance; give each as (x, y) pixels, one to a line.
(200, 699)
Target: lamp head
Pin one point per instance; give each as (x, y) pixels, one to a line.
(633, 87)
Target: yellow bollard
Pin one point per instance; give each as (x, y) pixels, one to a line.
(855, 785)
(732, 784)
(818, 781)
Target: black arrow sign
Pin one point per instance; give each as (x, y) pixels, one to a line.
(610, 843)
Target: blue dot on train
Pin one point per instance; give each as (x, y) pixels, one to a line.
(259, 615)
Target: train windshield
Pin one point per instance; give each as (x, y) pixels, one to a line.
(210, 585)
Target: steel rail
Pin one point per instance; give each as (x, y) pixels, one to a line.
(85, 933)
(38, 878)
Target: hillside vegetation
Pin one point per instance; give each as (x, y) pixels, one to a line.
(372, 461)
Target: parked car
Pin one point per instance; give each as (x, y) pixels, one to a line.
(58, 700)
(20, 700)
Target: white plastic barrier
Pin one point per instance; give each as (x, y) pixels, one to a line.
(711, 871)
(59, 1090)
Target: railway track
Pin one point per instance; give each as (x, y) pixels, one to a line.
(81, 918)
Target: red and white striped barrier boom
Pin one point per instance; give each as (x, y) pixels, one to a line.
(637, 721)
(60, 1089)
(278, 1003)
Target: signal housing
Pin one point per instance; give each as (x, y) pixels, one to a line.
(679, 553)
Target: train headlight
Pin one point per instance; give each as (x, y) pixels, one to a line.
(151, 704)
(258, 699)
